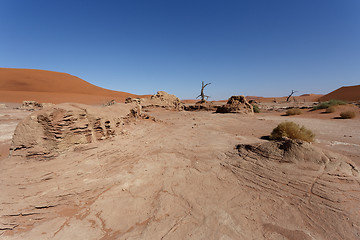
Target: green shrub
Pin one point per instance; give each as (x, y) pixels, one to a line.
(330, 109)
(347, 115)
(255, 108)
(332, 102)
(293, 131)
(293, 111)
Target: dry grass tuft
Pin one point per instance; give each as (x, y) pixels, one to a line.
(293, 131)
(330, 109)
(347, 115)
(293, 111)
(255, 108)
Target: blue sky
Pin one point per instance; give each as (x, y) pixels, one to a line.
(250, 47)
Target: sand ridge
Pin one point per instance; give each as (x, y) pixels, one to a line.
(349, 93)
(17, 85)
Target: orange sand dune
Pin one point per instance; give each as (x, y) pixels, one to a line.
(351, 93)
(17, 85)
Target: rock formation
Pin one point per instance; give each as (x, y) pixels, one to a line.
(159, 100)
(236, 104)
(201, 106)
(46, 133)
(323, 186)
(33, 105)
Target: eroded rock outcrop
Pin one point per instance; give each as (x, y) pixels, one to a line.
(236, 104)
(201, 106)
(182, 180)
(323, 186)
(33, 105)
(159, 100)
(46, 133)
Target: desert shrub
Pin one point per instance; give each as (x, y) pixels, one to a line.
(293, 131)
(330, 109)
(293, 111)
(347, 114)
(255, 108)
(332, 102)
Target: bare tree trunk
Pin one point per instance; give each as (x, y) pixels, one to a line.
(202, 95)
(292, 92)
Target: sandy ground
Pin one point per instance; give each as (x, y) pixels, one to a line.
(174, 179)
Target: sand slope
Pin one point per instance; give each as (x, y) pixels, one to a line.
(17, 85)
(350, 93)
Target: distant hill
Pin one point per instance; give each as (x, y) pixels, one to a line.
(350, 93)
(17, 85)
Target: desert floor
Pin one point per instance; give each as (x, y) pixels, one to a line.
(173, 179)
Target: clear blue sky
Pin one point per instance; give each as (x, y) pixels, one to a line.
(249, 47)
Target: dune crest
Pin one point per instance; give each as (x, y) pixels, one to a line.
(350, 93)
(17, 85)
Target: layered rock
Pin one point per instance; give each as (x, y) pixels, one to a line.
(46, 133)
(159, 100)
(33, 105)
(201, 106)
(323, 186)
(236, 104)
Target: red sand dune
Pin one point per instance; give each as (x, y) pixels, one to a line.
(17, 85)
(351, 93)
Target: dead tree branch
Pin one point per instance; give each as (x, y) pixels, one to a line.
(202, 95)
(292, 92)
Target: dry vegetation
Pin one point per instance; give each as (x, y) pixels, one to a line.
(347, 114)
(255, 108)
(293, 131)
(293, 111)
(330, 109)
(332, 102)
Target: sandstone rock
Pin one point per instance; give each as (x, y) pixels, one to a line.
(51, 131)
(160, 100)
(46, 105)
(31, 105)
(134, 100)
(201, 106)
(322, 185)
(236, 104)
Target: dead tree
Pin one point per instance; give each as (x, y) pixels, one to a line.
(292, 92)
(202, 95)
